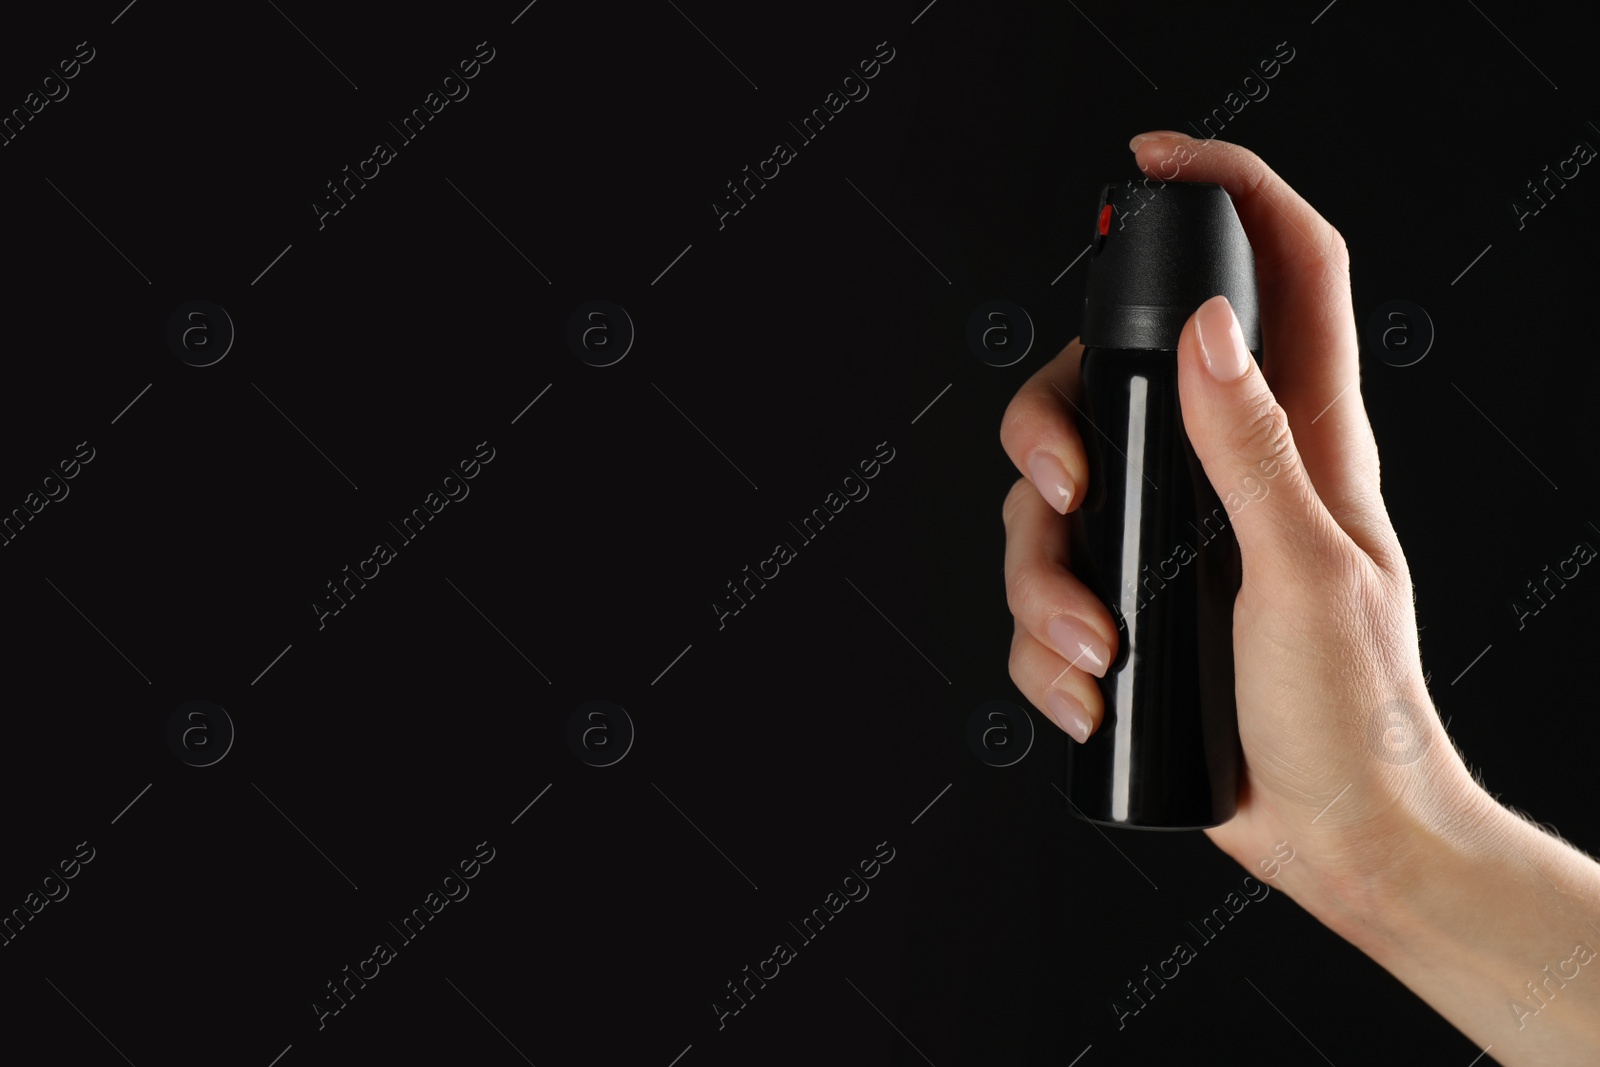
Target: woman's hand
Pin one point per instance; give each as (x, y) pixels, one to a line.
(1345, 759)
(1395, 846)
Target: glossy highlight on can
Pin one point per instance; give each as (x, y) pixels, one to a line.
(1151, 537)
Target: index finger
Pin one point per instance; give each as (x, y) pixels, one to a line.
(1040, 435)
(1308, 330)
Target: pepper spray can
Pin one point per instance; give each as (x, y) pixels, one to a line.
(1151, 537)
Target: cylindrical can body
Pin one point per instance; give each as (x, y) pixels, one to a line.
(1155, 543)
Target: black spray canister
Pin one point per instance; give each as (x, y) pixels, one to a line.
(1151, 537)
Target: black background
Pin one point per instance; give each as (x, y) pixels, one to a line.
(773, 354)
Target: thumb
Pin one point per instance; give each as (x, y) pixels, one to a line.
(1241, 435)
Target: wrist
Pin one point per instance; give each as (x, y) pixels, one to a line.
(1423, 868)
(1486, 917)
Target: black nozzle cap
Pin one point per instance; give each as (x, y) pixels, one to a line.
(1168, 247)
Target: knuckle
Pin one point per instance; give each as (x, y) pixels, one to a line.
(1321, 256)
(1265, 437)
(1390, 559)
(1026, 417)
(1021, 587)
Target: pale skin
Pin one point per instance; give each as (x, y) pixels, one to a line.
(1411, 860)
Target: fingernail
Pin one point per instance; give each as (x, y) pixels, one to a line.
(1222, 345)
(1050, 478)
(1154, 135)
(1068, 714)
(1074, 640)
